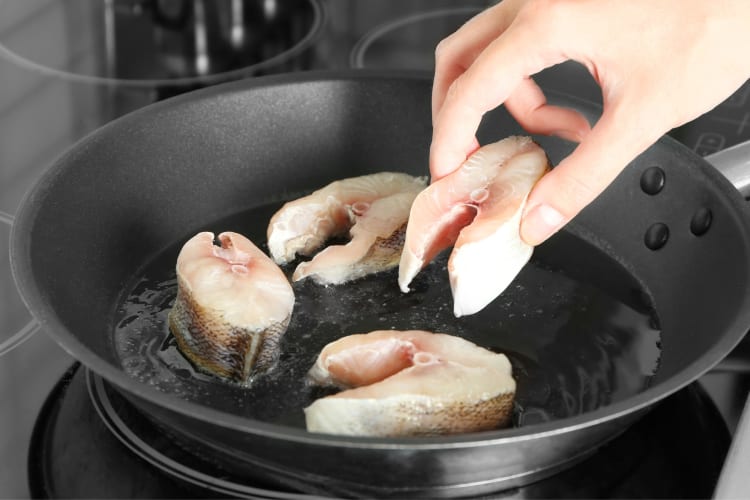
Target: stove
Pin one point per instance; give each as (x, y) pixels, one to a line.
(646, 461)
(68, 67)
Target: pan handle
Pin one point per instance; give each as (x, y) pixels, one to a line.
(734, 163)
(733, 481)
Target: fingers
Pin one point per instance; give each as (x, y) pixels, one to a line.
(645, 92)
(457, 52)
(581, 177)
(529, 107)
(487, 83)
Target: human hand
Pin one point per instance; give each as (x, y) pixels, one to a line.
(659, 63)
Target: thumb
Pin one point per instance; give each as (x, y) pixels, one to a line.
(582, 176)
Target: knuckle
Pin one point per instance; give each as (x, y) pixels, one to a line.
(455, 90)
(534, 10)
(544, 8)
(576, 192)
(546, 17)
(444, 50)
(459, 94)
(453, 94)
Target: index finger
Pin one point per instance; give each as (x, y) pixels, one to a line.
(485, 85)
(457, 52)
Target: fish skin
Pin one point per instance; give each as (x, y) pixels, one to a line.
(218, 347)
(410, 383)
(395, 417)
(221, 340)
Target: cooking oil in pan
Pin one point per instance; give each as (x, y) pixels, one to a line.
(574, 346)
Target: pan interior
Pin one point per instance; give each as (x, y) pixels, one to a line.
(576, 326)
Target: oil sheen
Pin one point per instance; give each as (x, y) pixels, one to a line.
(576, 339)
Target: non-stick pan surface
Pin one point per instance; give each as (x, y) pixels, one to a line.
(644, 292)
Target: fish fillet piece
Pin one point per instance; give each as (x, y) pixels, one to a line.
(377, 239)
(233, 304)
(477, 209)
(303, 226)
(410, 383)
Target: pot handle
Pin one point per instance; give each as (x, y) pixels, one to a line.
(734, 163)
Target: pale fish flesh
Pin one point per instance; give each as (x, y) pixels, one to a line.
(371, 210)
(233, 304)
(477, 209)
(410, 383)
(377, 238)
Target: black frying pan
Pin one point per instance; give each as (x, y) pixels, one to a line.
(645, 291)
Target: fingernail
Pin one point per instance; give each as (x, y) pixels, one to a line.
(539, 223)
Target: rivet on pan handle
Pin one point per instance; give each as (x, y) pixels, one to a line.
(734, 163)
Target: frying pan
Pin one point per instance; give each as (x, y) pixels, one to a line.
(642, 293)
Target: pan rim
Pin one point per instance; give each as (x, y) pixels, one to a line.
(49, 321)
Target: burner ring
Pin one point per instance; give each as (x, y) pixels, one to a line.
(19, 337)
(6, 218)
(30, 328)
(461, 14)
(648, 461)
(318, 15)
(176, 464)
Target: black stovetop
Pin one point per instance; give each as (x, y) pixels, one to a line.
(68, 67)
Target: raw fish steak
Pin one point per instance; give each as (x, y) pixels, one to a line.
(410, 383)
(233, 304)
